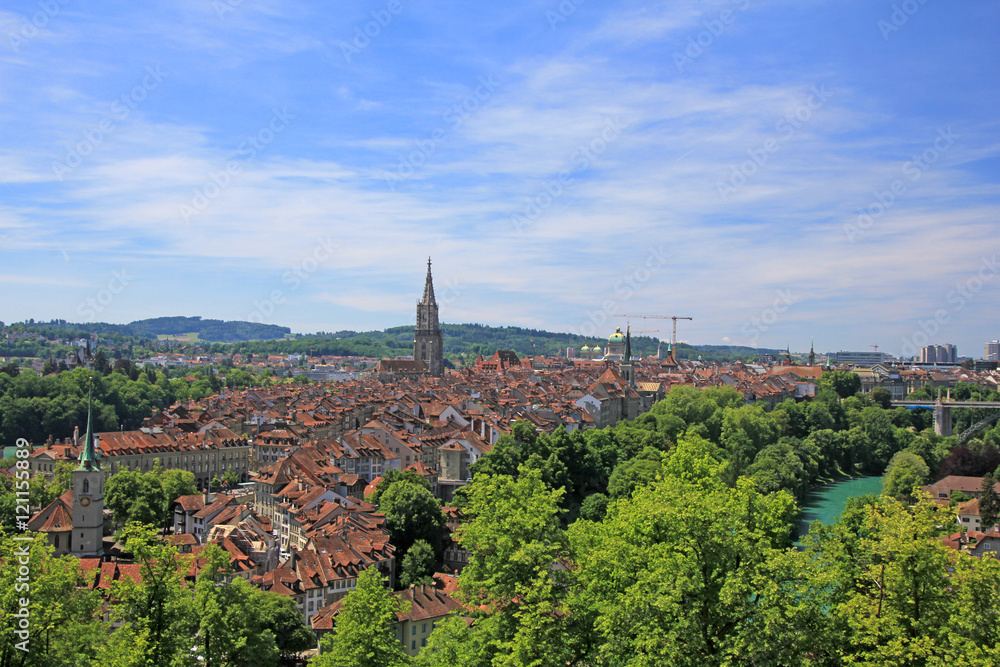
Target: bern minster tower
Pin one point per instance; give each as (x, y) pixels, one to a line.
(427, 341)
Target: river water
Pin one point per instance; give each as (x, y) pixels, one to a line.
(825, 503)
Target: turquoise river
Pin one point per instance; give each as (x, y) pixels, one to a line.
(825, 503)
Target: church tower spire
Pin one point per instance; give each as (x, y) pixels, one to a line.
(88, 496)
(428, 344)
(428, 299)
(89, 457)
(812, 352)
(627, 367)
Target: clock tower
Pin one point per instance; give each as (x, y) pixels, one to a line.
(88, 499)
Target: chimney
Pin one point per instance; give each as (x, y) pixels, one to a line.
(208, 498)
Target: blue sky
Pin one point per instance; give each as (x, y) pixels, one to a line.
(776, 170)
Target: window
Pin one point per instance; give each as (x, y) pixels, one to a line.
(413, 630)
(86, 486)
(423, 629)
(413, 645)
(423, 642)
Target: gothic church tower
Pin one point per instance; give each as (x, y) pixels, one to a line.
(427, 341)
(88, 500)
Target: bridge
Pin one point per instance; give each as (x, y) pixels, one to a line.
(942, 408)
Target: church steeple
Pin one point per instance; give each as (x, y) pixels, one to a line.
(85, 540)
(89, 457)
(427, 340)
(428, 299)
(627, 368)
(812, 352)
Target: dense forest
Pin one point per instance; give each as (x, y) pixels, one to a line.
(34, 406)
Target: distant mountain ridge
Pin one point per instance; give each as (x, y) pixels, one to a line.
(465, 340)
(213, 331)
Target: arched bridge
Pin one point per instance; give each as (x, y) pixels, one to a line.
(942, 414)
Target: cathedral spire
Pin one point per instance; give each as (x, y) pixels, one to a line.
(628, 344)
(89, 458)
(429, 287)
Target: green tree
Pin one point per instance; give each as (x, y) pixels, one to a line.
(515, 535)
(231, 478)
(279, 615)
(989, 503)
(62, 478)
(176, 483)
(157, 608)
(365, 635)
(906, 471)
(893, 599)
(635, 473)
(390, 477)
(674, 575)
(101, 364)
(878, 439)
(412, 513)
(135, 496)
(229, 629)
(845, 383)
(65, 627)
(882, 397)
(778, 467)
(453, 643)
(595, 506)
(418, 564)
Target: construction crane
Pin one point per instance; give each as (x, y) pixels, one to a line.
(662, 317)
(874, 347)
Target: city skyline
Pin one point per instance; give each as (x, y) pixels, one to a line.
(780, 173)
